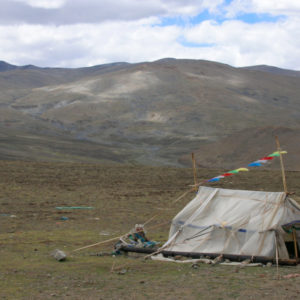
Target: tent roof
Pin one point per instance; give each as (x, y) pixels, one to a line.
(255, 210)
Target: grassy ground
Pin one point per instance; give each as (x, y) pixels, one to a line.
(31, 228)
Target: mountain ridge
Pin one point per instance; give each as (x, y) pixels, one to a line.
(149, 112)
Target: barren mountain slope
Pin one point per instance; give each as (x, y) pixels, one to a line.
(248, 145)
(155, 111)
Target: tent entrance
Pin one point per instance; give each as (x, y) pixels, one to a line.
(290, 246)
(290, 240)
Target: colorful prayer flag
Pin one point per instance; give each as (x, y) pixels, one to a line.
(257, 163)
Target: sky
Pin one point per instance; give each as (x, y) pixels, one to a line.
(81, 33)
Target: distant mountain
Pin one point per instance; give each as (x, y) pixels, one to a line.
(29, 76)
(150, 113)
(274, 70)
(6, 67)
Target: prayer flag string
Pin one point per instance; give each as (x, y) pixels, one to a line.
(257, 163)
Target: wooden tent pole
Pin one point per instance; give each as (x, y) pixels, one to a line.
(295, 242)
(194, 171)
(282, 166)
(102, 242)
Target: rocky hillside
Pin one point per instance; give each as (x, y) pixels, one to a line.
(149, 113)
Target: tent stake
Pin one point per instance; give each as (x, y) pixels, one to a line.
(282, 166)
(194, 171)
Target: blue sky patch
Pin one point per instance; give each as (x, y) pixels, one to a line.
(250, 18)
(182, 41)
(253, 18)
(184, 21)
(205, 15)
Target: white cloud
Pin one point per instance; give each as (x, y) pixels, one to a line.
(250, 44)
(47, 4)
(277, 7)
(128, 30)
(188, 7)
(86, 44)
(65, 12)
(77, 11)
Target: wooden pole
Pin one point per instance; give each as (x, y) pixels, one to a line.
(100, 243)
(282, 166)
(276, 254)
(295, 243)
(194, 171)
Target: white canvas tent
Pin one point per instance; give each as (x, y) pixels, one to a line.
(235, 222)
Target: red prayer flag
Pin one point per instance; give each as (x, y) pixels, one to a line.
(227, 174)
(267, 158)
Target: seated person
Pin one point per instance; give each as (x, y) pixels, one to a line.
(136, 238)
